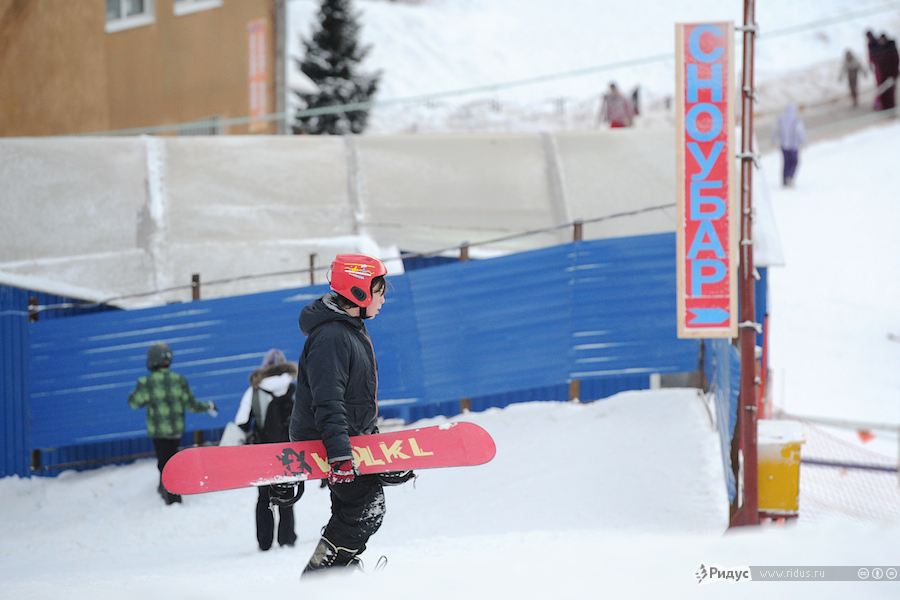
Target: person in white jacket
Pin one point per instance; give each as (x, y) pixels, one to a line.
(265, 415)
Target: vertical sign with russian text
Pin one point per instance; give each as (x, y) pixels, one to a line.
(256, 33)
(708, 220)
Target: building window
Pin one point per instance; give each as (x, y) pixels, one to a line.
(187, 7)
(125, 14)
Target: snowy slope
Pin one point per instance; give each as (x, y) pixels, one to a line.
(835, 301)
(628, 504)
(441, 47)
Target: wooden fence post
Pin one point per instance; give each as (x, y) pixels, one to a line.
(575, 390)
(32, 309)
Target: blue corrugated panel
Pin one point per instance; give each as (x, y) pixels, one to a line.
(624, 317)
(396, 340)
(91, 456)
(489, 326)
(83, 369)
(423, 262)
(597, 388)
(14, 363)
(447, 408)
(553, 393)
(762, 297)
(13, 387)
(722, 365)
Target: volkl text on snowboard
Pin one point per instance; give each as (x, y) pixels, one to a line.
(215, 468)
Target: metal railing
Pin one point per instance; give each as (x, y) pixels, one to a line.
(462, 249)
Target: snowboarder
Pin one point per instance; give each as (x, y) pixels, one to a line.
(166, 395)
(265, 415)
(337, 397)
(790, 136)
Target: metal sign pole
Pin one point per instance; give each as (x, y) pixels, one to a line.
(748, 514)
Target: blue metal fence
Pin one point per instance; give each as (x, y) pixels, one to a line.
(496, 331)
(493, 326)
(722, 366)
(15, 336)
(83, 369)
(624, 320)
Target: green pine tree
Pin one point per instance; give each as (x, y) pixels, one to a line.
(332, 58)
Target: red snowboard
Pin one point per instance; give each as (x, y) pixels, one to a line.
(215, 468)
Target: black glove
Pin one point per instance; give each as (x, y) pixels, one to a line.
(283, 495)
(396, 477)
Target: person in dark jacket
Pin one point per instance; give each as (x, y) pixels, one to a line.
(265, 414)
(874, 59)
(336, 398)
(889, 65)
(166, 395)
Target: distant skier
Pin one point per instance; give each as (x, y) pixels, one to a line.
(166, 395)
(851, 68)
(616, 109)
(337, 397)
(790, 136)
(265, 413)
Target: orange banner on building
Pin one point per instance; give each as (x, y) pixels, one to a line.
(259, 102)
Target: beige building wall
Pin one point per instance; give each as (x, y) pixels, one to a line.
(189, 67)
(61, 72)
(53, 76)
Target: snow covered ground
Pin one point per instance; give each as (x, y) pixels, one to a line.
(621, 498)
(632, 501)
(835, 301)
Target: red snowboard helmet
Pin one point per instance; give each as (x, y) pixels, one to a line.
(352, 275)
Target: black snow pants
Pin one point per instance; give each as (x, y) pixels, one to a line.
(265, 522)
(165, 449)
(357, 510)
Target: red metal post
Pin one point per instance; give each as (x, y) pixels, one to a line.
(748, 514)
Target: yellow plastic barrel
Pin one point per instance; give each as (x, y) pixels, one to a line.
(778, 458)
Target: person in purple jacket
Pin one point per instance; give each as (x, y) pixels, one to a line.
(790, 136)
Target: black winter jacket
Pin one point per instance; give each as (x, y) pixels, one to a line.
(337, 386)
